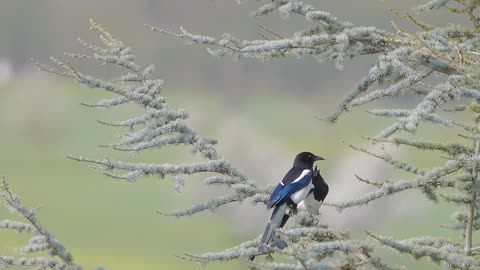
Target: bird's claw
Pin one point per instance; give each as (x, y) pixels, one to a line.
(291, 211)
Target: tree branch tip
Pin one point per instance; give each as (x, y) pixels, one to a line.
(349, 145)
(375, 140)
(191, 257)
(89, 105)
(151, 27)
(466, 136)
(76, 158)
(450, 110)
(115, 176)
(475, 248)
(181, 257)
(323, 119)
(337, 206)
(372, 235)
(332, 119)
(5, 185)
(269, 30)
(367, 181)
(103, 122)
(122, 149)
(163, 213)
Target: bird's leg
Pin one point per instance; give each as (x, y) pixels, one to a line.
(291, 210)
(294, 209)
(316, 221)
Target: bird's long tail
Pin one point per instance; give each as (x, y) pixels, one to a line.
(274, 223)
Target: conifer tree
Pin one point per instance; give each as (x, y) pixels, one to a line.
(306, 241)
(437, 63)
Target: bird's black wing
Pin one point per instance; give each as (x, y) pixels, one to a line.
(321, 188)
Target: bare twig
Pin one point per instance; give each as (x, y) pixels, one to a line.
(270, 31)
(471, 209)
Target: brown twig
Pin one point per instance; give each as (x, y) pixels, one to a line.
(471, 210)
(269, 30)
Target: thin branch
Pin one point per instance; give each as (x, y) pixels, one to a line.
(54, 246)
(471, 209)
(469, 13)
(368, 181)
(270, 30)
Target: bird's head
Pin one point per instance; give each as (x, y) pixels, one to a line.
(305, 160)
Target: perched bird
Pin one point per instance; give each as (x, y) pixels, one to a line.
(317, 194)
(294, 188)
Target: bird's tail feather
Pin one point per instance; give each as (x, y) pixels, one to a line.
(274, 223)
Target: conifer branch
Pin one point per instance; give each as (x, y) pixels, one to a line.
(473, 205)
(410, 57)
(308, 242)
(302, 241)
(388, 159)
(436, 177)
(405, 61)
(437, 250)
(159, 127)
(42, 241)
(453, 149)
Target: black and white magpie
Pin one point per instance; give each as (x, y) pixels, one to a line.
(295, 186)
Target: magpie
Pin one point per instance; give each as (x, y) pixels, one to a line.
(319, 193)
(295, 186)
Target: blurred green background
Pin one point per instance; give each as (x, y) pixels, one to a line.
(262, 113)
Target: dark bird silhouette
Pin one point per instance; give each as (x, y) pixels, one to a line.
(294, 188)
(318, 194)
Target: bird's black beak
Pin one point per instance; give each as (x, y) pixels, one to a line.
(318, 158)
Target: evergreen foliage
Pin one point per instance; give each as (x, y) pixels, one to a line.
(437, 63)
(306, 241)
(43, 250)
(159, 127)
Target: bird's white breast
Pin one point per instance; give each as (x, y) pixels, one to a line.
(300, 195)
